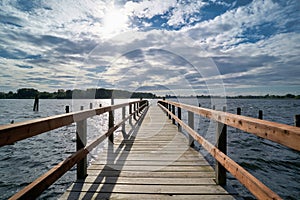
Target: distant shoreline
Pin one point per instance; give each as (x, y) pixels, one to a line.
(101, 93)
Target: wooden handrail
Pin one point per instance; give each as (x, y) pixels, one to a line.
(30, 128)
(11, 133)
(280, 133)
(256, 187)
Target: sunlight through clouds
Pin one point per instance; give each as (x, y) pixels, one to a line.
(53, 39)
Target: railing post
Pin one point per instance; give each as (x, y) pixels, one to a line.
(170, 110)
(179, 116)
(167, 107)
(91, 105)
(173, 111)
(191, 124)
(123, 117)
(130, 112)
(221, 144)
(111, 122)
(134, 109)
(81, 129)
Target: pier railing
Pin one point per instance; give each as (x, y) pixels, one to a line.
(11, 133)
(280, 133)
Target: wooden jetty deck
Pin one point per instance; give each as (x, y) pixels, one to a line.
(149, 160)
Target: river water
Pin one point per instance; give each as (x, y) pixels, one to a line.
(275, 165)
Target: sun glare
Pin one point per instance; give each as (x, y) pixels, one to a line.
(115, 21)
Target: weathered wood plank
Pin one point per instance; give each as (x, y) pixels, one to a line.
(142, 174)
(91, 195)
(154, 163)
(175, 169)
(146, 189)
(148, 181)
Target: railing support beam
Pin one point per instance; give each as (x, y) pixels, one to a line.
(173, 111)
(81, 131)
(111, 125)
(221, 144)
(191, 124)
(179, 116)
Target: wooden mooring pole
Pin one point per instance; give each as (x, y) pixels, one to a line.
(36, 103)
(67, 109)
(238, 111)
(297, 120)
(81, 131)
(260, 114)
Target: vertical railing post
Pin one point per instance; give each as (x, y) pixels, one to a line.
(191, 124)
(179, 117)
(111, 122)
(221, 144)
(173, 111)
(134, 109)
(81, 129)
(130, 112)
(167, 107)
(123, 117)
(91, 105)
(170, 110)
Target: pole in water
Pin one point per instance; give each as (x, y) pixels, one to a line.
(36, 103)
(260, 114)
(67, 109)
(297, 120)
(238, 111)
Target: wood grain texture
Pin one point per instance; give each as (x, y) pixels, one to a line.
(280, 133)
(154, 161)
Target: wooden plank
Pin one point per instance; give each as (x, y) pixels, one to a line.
(142, 174)
(148, 180)
(155, 163)
(146, 189)
(91, 195)
(175, 169)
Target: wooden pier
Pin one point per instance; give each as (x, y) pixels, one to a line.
(147, 156)
(153, 162)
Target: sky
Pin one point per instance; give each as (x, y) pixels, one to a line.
(165, 47)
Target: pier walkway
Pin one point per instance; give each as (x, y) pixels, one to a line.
(150, 159)
(146, 157)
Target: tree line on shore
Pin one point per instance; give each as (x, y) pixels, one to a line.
(93, 93)
(101, 93)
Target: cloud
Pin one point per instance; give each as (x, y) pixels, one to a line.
(176, 44)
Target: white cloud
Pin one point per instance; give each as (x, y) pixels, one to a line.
(53, 40)
(149, 8)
